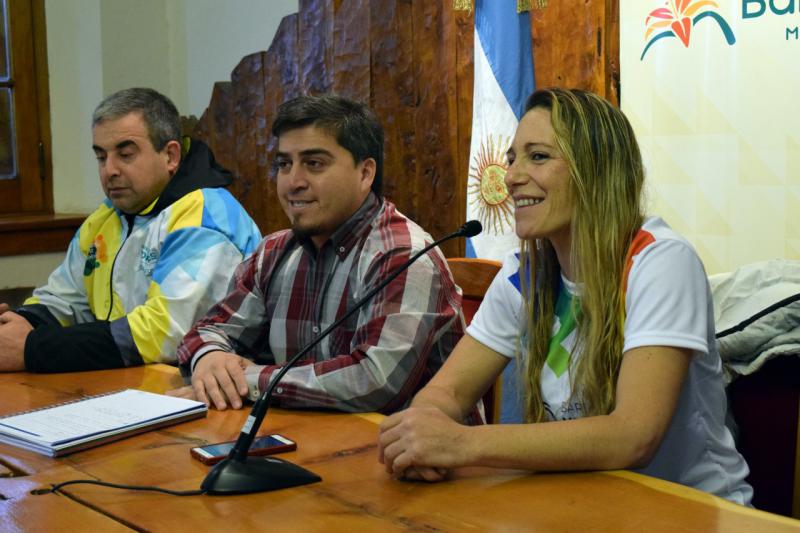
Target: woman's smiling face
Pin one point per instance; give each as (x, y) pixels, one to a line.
(538, 179)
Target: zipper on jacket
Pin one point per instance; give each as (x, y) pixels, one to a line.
(129, 219)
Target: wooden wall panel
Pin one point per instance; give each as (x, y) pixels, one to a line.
(570, 38)
(465, 50)
(281, 82)
(315, 34)
(611, 53)
(435, 120)
(281, 78)
(399, 56)
(215, 127)
(351, 76)
(394, 96)
(247, 81)
(411, 60)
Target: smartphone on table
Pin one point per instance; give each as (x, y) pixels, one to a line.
(262, 445)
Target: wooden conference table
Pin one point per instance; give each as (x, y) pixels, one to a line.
(355, 494)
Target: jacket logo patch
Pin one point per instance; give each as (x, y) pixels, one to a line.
(97, 254)
(147, 261)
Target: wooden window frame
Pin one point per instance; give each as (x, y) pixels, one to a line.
(28, 225)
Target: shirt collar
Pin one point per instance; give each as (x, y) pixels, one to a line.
(348, 234)
(146, 211)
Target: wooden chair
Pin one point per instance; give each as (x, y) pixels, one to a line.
(474, 277)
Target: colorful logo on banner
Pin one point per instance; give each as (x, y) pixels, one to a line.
(677, 20)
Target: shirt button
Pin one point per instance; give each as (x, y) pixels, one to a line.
(341, 249)
(315, 329)
(279, 390)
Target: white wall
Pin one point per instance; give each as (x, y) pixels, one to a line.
(27, 270)
(75, 62)
(95, 47)
(136, 45)
(218, 34)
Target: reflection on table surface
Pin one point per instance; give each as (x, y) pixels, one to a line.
(355, 492)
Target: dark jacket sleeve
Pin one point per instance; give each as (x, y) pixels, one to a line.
(52, 348)
(37, 315)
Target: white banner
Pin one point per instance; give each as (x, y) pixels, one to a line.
(711, 88)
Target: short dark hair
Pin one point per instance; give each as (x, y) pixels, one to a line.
(354, 125)
(158, 112)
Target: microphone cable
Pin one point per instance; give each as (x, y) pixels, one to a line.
(56, 487)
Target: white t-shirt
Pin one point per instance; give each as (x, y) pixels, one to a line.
(667, 303)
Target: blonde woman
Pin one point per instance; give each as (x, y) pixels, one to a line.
(613, 329)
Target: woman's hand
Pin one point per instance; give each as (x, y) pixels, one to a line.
(424, 473)
(421, 443)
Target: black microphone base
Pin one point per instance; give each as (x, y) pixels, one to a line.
(255, 474)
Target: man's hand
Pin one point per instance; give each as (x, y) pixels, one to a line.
(13, 331)
(183, 392)
(421, 443)
(218, 378)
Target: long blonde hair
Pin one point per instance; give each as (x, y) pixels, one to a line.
(607, 175)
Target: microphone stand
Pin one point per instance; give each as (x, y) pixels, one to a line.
(239, 473)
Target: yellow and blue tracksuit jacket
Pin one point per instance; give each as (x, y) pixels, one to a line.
(131, 286)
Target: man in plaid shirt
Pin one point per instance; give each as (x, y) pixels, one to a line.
(345, 238)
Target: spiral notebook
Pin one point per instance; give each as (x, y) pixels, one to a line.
(69, 427)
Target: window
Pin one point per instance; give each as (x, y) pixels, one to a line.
(25, 172)
(27, 222)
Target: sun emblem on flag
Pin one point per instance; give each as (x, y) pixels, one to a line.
(487, 189)
(677, 20)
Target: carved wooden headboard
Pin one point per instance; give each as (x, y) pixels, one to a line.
(411, 60)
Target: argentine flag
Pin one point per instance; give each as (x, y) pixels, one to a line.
(503, 80)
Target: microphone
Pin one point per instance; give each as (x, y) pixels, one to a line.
(470, 228)
(241, 474)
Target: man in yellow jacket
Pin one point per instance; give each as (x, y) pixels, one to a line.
(149, 261)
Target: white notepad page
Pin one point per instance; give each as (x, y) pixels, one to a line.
(83, 418)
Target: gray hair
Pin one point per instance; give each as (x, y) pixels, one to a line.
(159, 113)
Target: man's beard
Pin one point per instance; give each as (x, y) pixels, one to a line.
(305, 232)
